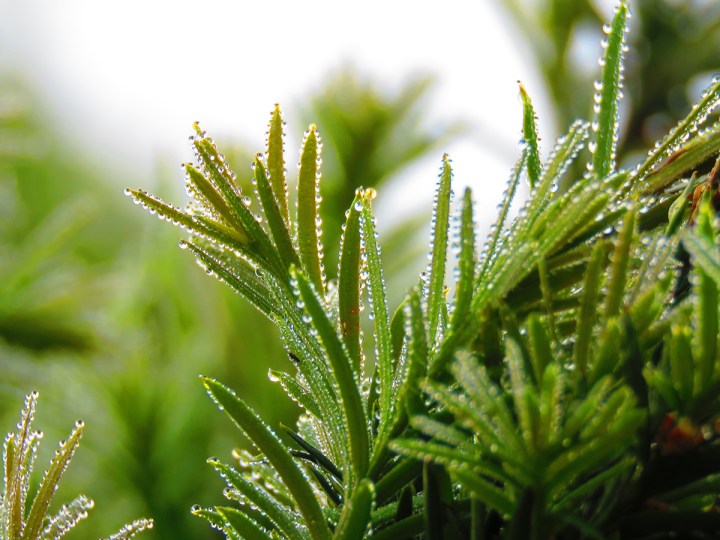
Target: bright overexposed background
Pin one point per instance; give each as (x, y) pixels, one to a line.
(125, 80)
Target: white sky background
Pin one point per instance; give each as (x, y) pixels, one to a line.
(128, 78)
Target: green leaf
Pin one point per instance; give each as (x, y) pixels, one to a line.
(680, 351)
(620, 265)
(343, 374)
(283, 517)
(563, 155)
(588, 307)
(49, 484)
(349, 282)
(356, 513)
(317, 456)
(677, 210)
(273, 215)
(541, 354)
(566, 150)
(704, 253)
(445, 455)
(297, 392)
(466, 263)
(66, 518)
(530, 138)
(433, 508)
(547, 299)
(276, 163)
(551, 410)
(203, 190)
(204, 228)
(397, 329)
(520, 389)
(608, 97)
(494, 243)
(585, 488)
(633, 360)
(239, 275)
(131, 529)
(313, 366)
(406, 528)
(607, 353)
(19, 453)
(439, 241)
(308, 217)
(219, 173)
(483, 490)
(685, 159)
(379, 310)
(274, 450)
(706, 305)
(241, 528)
(407, 399)
(700, 111)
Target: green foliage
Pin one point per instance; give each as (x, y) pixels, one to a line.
(675, 46)
(24, 510)
(91, 306)
(567, 390)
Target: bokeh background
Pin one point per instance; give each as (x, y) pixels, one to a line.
(101, 312)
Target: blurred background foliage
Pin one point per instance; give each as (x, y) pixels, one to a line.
(102, 314)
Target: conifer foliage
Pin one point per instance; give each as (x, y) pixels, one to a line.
(563, 385)
(24, 509)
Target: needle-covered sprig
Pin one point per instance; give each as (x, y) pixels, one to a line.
(561, 383)
(24, 509)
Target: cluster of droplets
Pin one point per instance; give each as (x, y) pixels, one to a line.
(166, 212)
(131, 529)
(67, 517)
